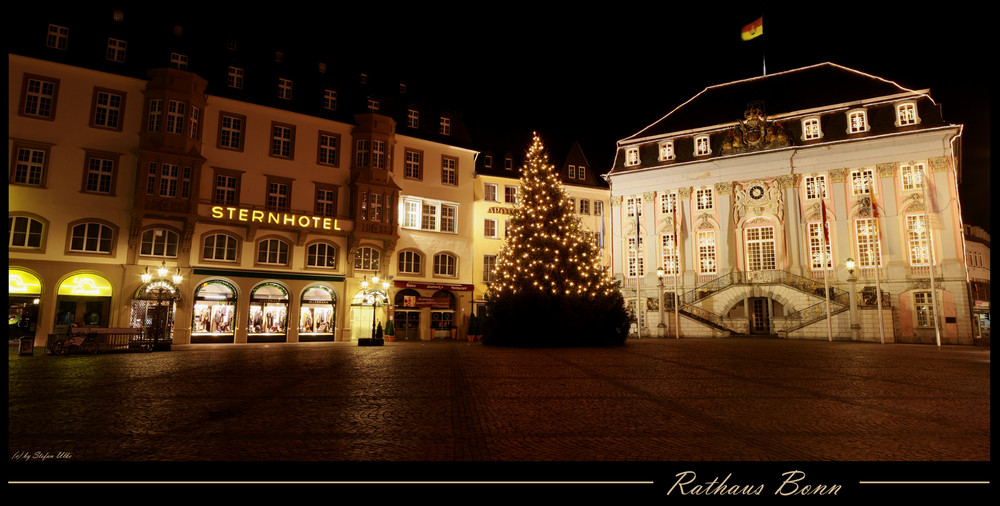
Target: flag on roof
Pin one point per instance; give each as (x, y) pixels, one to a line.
(753, 29)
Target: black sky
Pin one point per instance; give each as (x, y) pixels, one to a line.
(599, 73)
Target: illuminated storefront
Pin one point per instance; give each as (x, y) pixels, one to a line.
(83, 299)
(24, 292)
(317, 314)
(268, 319)
(214, 312)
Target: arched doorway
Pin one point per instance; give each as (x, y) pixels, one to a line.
(153, 310)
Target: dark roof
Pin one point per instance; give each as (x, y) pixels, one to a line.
(806, 88)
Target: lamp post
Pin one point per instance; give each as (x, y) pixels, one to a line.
(852, 293)
(662, 326)
(374, 294)
(162, 272)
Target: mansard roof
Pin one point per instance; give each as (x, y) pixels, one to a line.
(818, 86)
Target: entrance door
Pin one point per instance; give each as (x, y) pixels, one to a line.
(760, 322)
(407, 325)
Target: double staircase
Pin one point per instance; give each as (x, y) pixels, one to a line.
(815, 290)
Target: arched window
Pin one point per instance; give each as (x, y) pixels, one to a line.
(220, 248)
(272, 252)
(366, 259)
(445, 264)
(409, 262)
(92, 238)
(321, 254)
(159, 242)
(24, 232)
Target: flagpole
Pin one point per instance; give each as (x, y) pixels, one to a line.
(677, 274)
(826, 273)
(763, 46)
(639, 273)
(930, 248)
(878, 283)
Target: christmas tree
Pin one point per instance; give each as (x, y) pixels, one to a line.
(549, 286)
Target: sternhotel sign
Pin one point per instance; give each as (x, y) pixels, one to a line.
(274, 218)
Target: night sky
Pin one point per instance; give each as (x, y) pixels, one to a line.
(597, 74)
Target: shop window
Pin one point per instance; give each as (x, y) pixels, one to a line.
(214, 310)
(268, 318)
(317, 314)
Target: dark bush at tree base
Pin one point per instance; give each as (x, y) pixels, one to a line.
(532, 319)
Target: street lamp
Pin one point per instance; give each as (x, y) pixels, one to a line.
(374, 294)
(161, 289)
(850, 267)
(662, 326)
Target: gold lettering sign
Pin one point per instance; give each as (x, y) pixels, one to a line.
(22, 282)
(274, 218)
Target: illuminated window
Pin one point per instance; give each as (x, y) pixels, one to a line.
(667, 150)
(704, 199)
(760, 248)
(58, 37)
(816, 255)
(220, 248)
(669, 254)
(634, 257)
(906, 114)
(857, 121)
(321, 255)
(702, 146)
(410, 262)
(272, 252)
(861, 181)
(116, 50)
(917, 239)
(706, 252)
(159, 242)
(234, 78)
(912, 176)
(811, 129)
(866, 237)
(39, 97)
(91, 238)
(366, 259)
(446, 265)
(668, 203)
(815, 187)
(631, 157)
(327, 154)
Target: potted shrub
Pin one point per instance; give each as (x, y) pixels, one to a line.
(390, 332)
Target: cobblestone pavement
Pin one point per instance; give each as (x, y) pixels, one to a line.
(651, 400)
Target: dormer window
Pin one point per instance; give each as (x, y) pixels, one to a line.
(857, 121)
(631, 157)
(178, 61)
(906, 114)
(285, 89)
(666, 150)
(811, 129)
(702, 146)
(412, 118)
(445, 126)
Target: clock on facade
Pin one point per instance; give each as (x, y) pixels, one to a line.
(756, 192)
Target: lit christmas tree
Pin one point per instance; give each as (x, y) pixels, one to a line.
(549, 287)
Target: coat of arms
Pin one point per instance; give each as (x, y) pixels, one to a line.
(755, 133)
